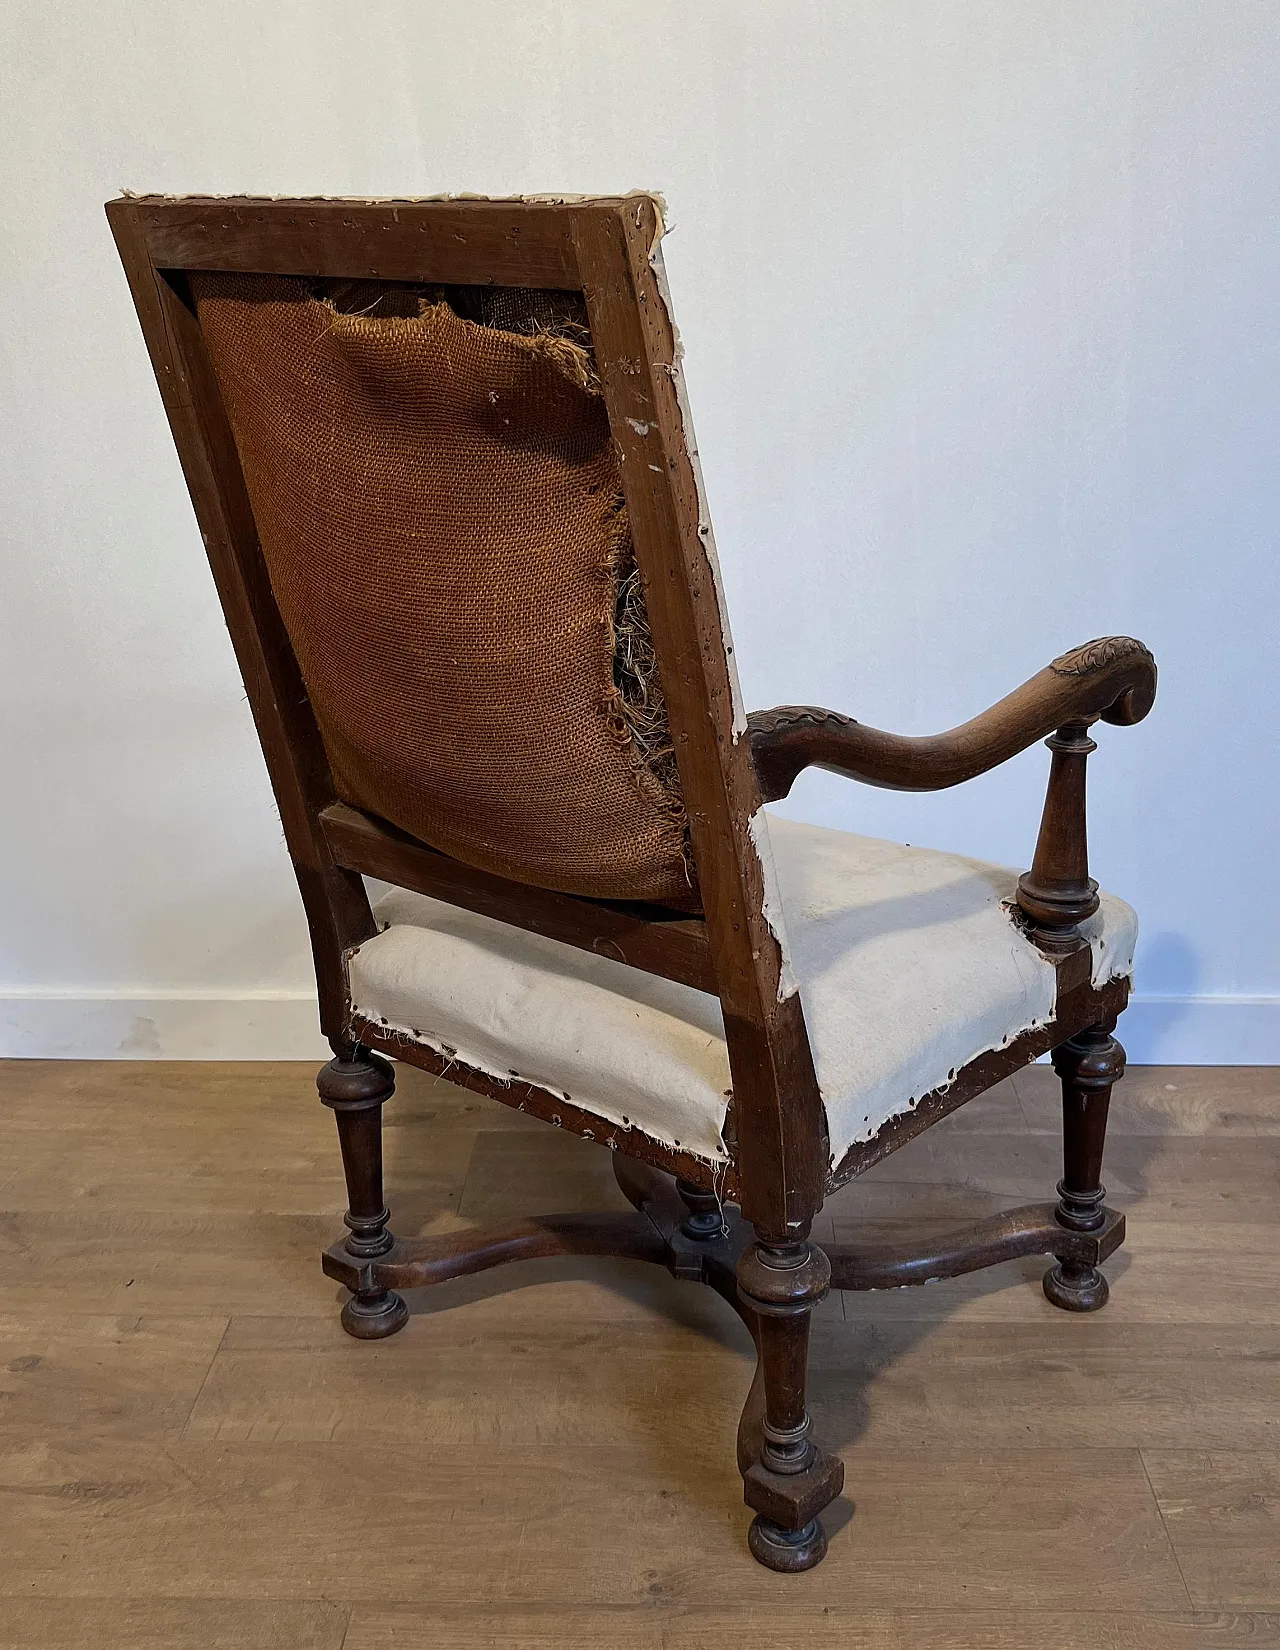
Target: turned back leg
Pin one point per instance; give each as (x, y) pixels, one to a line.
(1088, 1065)
(355, 1086)
(792, 1479)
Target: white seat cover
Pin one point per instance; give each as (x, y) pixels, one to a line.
(910, 966)
(907, 962)
(628, 1046)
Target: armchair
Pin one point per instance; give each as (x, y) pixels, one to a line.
(441, 461)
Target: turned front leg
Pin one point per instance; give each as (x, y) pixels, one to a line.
(1088, 1065)
(355, 1087)
(792, 1479)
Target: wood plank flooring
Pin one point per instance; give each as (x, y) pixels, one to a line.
(192, 1453)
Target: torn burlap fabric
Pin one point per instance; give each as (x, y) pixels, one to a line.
(440, 509)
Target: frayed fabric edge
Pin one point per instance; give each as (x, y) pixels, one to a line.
(546, 199)
(1102, 976)
(717, 1162)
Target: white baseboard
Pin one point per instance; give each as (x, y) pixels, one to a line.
(283, 1025)
(161, 1025)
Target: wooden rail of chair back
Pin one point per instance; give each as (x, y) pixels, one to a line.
(647, 937)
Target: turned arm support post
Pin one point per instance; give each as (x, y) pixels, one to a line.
(1057, 893)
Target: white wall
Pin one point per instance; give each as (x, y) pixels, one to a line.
(979, 301)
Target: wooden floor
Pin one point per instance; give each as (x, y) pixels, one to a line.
(194, 1454)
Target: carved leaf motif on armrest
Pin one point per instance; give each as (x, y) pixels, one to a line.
(1090, 656)
(797, 716)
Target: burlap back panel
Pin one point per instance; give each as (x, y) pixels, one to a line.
(440, 510)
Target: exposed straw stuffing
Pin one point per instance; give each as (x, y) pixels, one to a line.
(636, 678)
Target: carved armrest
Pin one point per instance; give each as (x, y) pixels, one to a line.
(1113, 678)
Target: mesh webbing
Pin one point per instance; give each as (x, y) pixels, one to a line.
(441, 514)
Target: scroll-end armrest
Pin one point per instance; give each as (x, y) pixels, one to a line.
(1113, 678)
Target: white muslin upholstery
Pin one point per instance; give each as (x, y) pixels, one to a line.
(627, 1046)
(906, 959)
(910, 966)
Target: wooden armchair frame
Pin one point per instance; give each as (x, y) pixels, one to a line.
(779, 1170)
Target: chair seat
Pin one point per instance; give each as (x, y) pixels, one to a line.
(907, 962)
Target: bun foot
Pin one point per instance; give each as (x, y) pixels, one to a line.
(373, 1317)
(1076, 1288)
(788, 1551)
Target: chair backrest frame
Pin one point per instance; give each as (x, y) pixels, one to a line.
(609, 250)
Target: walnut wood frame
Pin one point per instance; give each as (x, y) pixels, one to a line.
(779, 1169)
